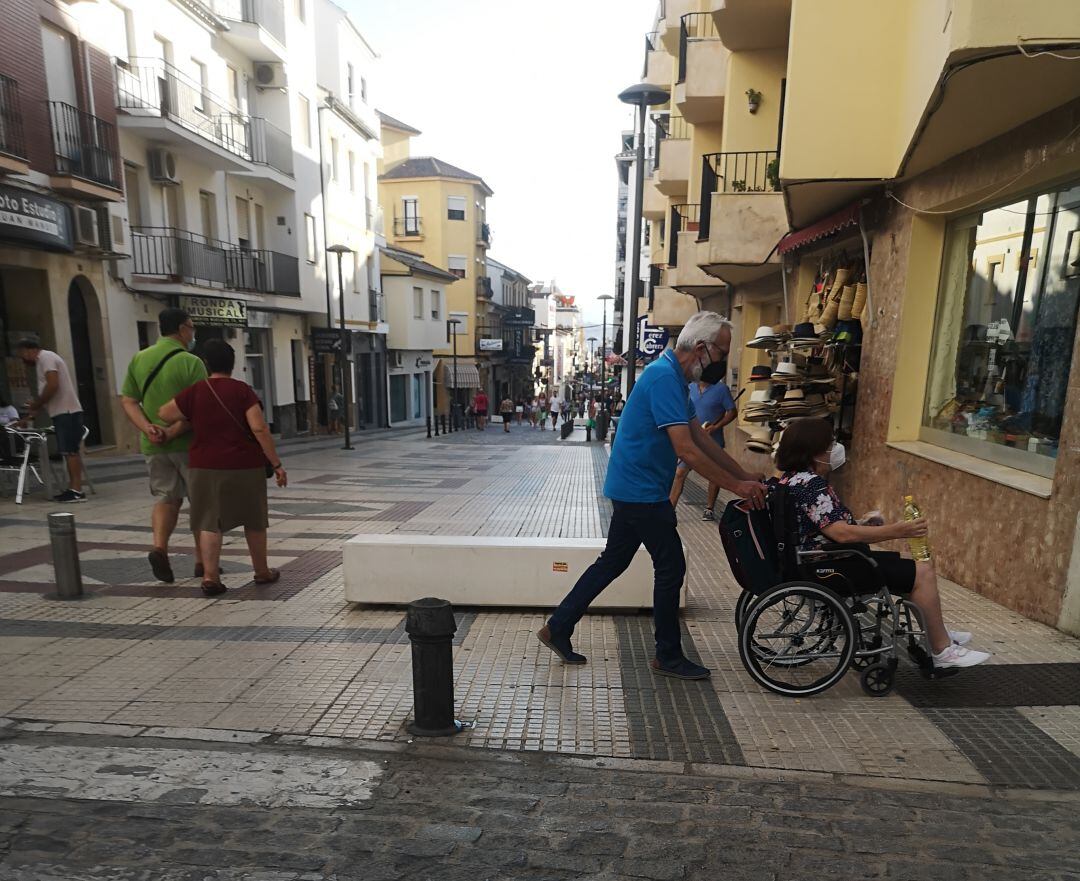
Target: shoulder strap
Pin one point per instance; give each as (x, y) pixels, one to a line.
(243, 429)
(778, 510)
(157, 370)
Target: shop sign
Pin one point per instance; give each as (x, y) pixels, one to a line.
(423, 362)
(39, 220)
(491, 345)
(215, 311)
(651, 340)
(520, 318)
(326, 340)
(255, 318)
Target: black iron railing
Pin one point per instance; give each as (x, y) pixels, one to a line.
(167, 252)
(12, 141)
(748, 172)
(483, 287)
(407, 226)
(149, 87)
(652, 43)
(271, 146)
(375, 306)
(694, 26)
(84, 146)
(269, 14)
(684, 218)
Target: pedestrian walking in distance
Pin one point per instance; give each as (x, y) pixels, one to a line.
(480, 408)
(57, 396)
(506, 410)
(156, 375)
(658, 427)
(231, 454)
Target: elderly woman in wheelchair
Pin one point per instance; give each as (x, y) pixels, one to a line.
(838, 603)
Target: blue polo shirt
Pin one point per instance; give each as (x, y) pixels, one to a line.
(642, 463)
(712, 405)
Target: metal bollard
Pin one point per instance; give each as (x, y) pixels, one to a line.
(430, 625)
(429, 426)
(588, 433)
(65, 555)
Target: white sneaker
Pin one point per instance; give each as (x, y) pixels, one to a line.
(958, 656)
(960, 637)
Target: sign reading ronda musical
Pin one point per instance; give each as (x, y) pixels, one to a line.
(215, 311)
(38, 220)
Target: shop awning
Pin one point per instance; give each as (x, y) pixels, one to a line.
(468, 375)
(845, 217)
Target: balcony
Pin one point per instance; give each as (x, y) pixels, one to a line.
(483, 288)
(671, 308)
(684, 253)
(657, 70)
(86, 155)
(673, 135)
(180, 256)
(483, 235)
(742, 215)
(654, 204)
(12, 143)
(256, 27)
(161, 103)
(674, 10)
(408, 228)
(752, 24)
(702, 72)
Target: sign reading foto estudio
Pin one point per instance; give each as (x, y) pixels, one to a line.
(38, 220)
(215, 311)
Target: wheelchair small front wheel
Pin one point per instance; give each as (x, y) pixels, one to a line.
(878, 680)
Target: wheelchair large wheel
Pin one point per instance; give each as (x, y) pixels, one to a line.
(742, 606)
(798, 639)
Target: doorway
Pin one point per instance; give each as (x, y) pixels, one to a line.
(300, 384)
(78, 317)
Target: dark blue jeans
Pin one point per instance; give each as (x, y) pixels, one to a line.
(632, 525)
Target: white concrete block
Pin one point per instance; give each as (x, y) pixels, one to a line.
(486, 571)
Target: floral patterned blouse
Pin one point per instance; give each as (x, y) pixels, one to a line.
(816, 505)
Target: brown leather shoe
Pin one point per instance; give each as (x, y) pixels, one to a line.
(213, 588)
(268, 577)
(560, 645)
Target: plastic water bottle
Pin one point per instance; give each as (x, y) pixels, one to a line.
(920, 548)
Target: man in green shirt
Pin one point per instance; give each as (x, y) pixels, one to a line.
(155, 376)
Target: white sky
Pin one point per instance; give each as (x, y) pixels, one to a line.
(525, 95)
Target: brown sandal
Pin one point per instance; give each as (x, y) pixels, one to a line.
(213, 588)
(269, 578)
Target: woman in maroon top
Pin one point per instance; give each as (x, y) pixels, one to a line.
(230, 449)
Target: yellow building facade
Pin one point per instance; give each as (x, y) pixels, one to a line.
(923, 160)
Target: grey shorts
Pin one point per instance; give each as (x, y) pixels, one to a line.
(168, 475)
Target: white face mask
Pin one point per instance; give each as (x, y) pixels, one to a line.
(837, 456)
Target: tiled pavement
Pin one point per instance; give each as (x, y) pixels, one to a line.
(295, 659)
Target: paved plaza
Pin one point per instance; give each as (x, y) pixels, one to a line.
(141, 665)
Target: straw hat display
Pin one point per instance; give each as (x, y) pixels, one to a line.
(761, 407)
(860, 301)
(847, 300)
(760, 440)
(794, 404)
(787, 372)
(764, 338)
(760, 373)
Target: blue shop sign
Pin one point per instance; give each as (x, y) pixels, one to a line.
(651, 340)
(36, 220)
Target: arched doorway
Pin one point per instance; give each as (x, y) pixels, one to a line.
(79, 319)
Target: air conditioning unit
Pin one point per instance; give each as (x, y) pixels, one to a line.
(163, 167)
(86, 227)
(270, 75)
(395, 359)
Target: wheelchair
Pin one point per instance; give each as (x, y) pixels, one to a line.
(801, 635)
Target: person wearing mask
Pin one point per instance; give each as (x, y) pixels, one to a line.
(715, 408)
(807, 455)
(658, 427)
(231, 447)
(57, 396)
(155, 375)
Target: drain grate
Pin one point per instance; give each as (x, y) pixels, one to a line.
(995, 685)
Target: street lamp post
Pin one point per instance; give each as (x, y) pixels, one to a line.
(641, 95)
(603, 298)
(592, 353)
(341, 250)
(451, 329)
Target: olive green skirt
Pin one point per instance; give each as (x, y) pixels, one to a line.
(223, 499)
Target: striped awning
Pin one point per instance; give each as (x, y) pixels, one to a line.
(468, 374)
(826, 227)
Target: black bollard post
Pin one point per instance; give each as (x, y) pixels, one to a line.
(588, 433)
(65, 554)
(430, 625)
(429, 426)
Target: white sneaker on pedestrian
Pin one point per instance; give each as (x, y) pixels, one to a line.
(958, 656)
(960, 637)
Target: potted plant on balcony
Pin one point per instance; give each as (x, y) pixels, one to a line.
(753, 100)
(772, 174)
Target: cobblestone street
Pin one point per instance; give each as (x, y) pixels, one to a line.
(675, 779)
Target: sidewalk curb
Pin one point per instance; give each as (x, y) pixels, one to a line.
(452, 753)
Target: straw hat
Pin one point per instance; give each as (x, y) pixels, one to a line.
(840, 279)
(860, 300)
(760, 373)
(847, 299)
(760, 440)
(764, 338)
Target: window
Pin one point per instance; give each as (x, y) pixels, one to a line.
(357, 272)
(462, 327)
(436, 305)
(202, 102)
(417, 396)
(418, 302)
(333, 159)
(399, 393)
(363, 89)
(1004, 331)
(133, 195)
(455, 207)
(410, 206)
(233, 79)
(350, 79)
(312, 239)
(458, 265)
(208, 214)
(352, 172)
(303, 114)
(243, 222)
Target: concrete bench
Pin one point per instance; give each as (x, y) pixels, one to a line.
(485, 571)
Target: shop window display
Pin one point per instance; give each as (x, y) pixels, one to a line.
(1004, 331)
